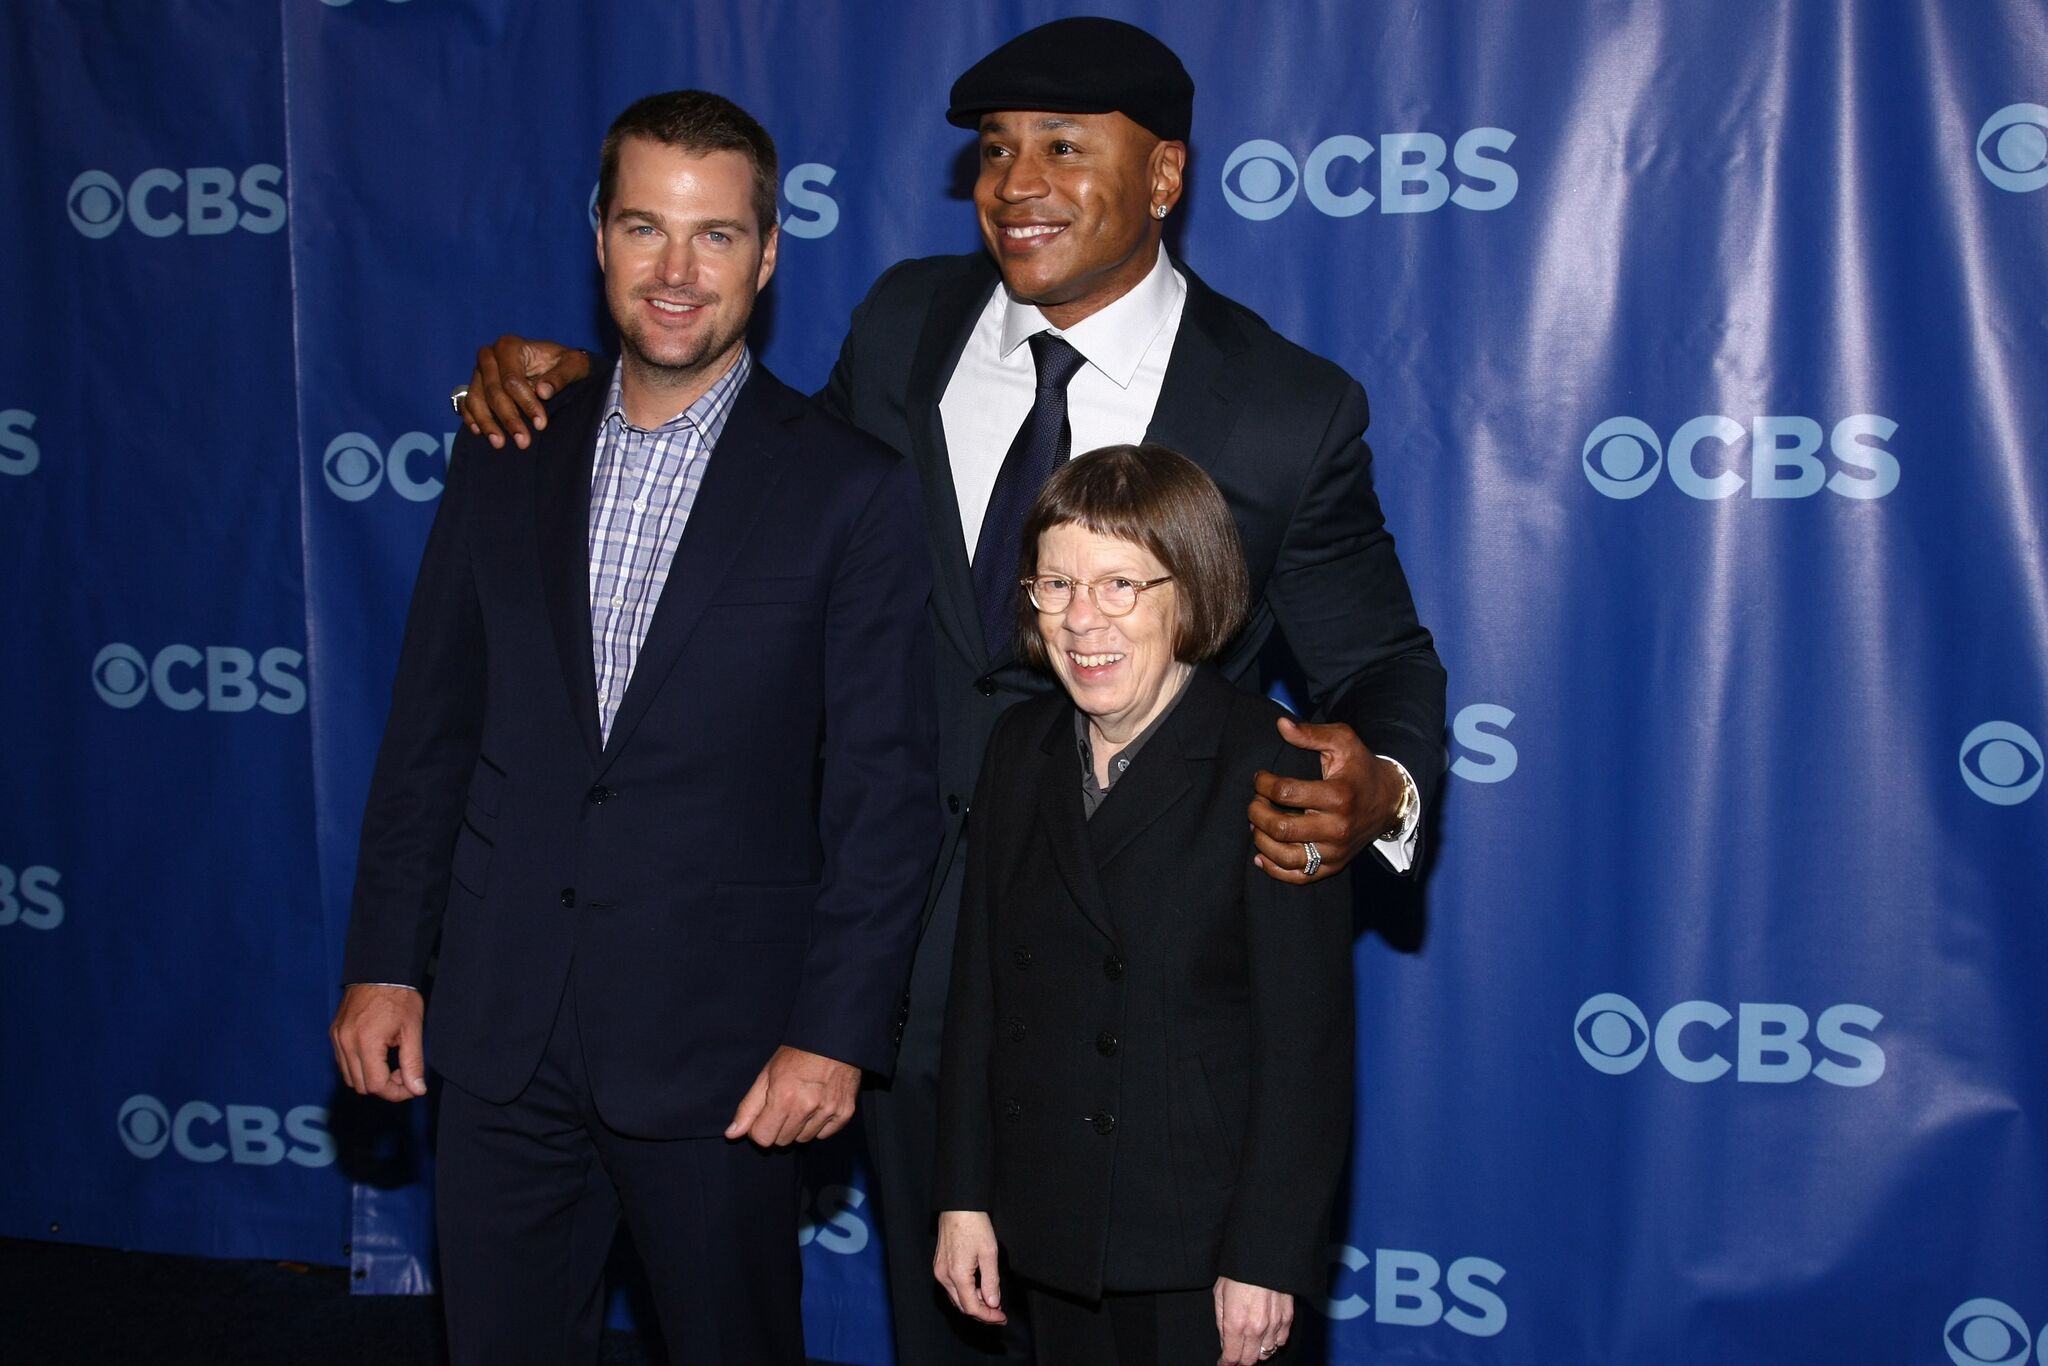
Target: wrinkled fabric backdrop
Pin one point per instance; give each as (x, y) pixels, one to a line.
(1705, 348)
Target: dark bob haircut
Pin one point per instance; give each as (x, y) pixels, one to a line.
(697, 122)
(1163, 501)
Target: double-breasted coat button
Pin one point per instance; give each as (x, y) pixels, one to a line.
(1022, 957)
(985, 686)
(1016, 1031)
(953, 803)
(569, 897)
(1113, 968)
(601, 794)
(1012, 1109)
(1105, 1044)
(1103, 1122)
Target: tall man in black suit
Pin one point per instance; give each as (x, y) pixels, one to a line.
(654, 798)
(1082, 128)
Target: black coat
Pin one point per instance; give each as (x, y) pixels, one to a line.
(1278, 428)
(1148, 1054)
(741, 864)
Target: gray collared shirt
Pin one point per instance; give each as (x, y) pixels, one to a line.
(1093, 794)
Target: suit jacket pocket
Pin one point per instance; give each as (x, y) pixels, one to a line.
(763, 913)
(471, 865)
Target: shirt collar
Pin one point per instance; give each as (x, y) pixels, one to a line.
(707, 414)
(1114, 339)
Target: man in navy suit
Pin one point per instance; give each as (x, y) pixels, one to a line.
(653, 809)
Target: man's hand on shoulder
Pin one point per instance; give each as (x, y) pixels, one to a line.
(512, 380)
(1353, 805)
(372, 1021)
(799, 1096)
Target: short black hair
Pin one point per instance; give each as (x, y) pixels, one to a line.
(694, 121)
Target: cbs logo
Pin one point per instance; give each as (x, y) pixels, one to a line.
(30, 898)
(354, 468)
(252, 1135)
(1404, 1290)
(808, 212)
(1614, 1037)
(2012, 148)
(223, 678)
(2001, 763)
(97, 202)
(19, 453)
(1261, 177)
(1490, 756)
(1986, 1332)
(830, 1221)
(1622, 457)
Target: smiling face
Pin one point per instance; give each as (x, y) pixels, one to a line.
(1119, 670)
(1066, 203)
(684, 257)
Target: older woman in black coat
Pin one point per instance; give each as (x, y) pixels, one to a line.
(1146, 1090)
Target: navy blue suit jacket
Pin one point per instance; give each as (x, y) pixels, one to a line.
(741, 865)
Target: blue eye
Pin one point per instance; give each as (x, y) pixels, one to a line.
(1985, 1333)
(1612, 1033)
(2001, 763)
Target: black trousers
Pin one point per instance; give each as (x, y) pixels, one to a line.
(1163, 1328)
(902, 1124)
(528, 1201)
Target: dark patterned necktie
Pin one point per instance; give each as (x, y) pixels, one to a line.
(1041, 446)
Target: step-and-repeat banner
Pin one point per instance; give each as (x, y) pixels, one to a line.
(1706, 345)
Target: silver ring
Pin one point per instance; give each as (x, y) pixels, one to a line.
(1315, 860)
(1265, 1352)
(455, 397)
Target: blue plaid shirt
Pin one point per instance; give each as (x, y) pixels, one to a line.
(642, 487)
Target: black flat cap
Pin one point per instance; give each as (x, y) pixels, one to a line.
(1081, 66)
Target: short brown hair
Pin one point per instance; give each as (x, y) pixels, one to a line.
(694, 121)
(1165, 502)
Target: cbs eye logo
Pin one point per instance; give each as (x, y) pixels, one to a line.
(1985, 1332)
(355, 468)
(2012, 148)
(2001, 763)
(1623, 456)
(1261, 177)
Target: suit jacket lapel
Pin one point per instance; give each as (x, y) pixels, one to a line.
(947, 325)
(1195, 413)
(1165, 769)
(563, 455)
(738, 479)
(1066, 828)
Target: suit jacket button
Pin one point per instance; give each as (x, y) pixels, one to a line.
(953, 803)
(1113, 968)
(1103, 1122)
(601, 794)
(1105, 1044)
(1012, 1110)
(569, 897)
(1022, 956)
(986, 686)
(1016, 1031)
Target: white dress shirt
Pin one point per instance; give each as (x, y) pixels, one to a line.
(1109, 402)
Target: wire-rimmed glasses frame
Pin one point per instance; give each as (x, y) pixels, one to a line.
(1114, 596)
